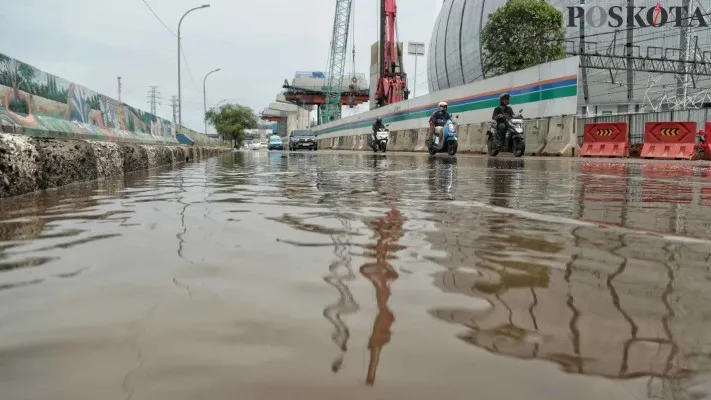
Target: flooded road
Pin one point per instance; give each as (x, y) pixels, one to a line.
(332, 275)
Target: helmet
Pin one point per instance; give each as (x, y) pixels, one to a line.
(443, 104)
(378, 120)
(503, 96)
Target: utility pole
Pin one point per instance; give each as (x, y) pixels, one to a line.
(174, 105)
(119, 89)
(684, 45)
(153, 99)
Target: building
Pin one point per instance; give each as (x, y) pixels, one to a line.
(455, 55)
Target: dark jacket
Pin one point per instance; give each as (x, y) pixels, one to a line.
(438, 118)
(507, 110)
(377, 126)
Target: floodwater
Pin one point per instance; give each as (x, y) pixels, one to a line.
(332, 275)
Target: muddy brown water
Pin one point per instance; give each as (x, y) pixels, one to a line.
(332, 275)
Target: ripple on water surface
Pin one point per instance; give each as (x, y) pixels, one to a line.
(336, 275)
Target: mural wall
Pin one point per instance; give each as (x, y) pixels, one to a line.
(37, 103)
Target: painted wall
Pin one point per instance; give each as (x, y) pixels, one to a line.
(545, 90)
(37, 103)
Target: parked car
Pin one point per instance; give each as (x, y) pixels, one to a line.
(302, 139)
(275, 142)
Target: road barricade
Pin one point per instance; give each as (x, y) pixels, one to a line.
(607, 139)
(535, 131)
(670, 139)
(478, 137)
(421, 138)
(561, 139)
(667, 183)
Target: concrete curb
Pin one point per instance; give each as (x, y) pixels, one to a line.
(28, 164)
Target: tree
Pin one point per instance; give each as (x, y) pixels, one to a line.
(231, 120)
(521, 34)
(18, 74)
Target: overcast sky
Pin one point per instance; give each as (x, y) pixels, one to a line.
(257, 44)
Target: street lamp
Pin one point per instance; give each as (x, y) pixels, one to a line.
(204, 93)
(415, 49)
(180, 94)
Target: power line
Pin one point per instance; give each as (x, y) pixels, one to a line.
(187, 66)
(158, 18)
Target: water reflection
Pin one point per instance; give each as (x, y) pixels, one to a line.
(381, 273)
(504, 178)
(340, 272)
(592, 301)
(442, 177)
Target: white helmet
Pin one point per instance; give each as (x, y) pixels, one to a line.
(443, 103)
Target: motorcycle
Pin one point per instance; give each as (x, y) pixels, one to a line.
(381, 143)
(449, 139)
(514, 140)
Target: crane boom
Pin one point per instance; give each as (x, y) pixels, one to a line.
(392, 82)
(337, 61)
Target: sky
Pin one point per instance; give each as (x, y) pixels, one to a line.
(257, 44)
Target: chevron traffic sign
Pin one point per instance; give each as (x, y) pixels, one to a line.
(604, 132)
(669, 132)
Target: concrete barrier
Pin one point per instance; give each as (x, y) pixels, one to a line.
(28, 164)
(561, 139)
(536, 131)
(478, 134)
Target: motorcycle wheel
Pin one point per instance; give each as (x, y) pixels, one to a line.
(452, 148)
(383, 147)
(432, 149)
(519, 147)
(491, 146)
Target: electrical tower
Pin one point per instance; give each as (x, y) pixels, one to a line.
(154, 99)
(174, 105)
(337, 61)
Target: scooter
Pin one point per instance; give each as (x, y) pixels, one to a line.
(449, 139)
(514, 141)
(382, 137)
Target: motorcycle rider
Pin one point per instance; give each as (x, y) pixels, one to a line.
(499, 113)
(377, 126)
(438, 118)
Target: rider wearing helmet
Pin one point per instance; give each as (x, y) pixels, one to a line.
(438, 118)
(499, 112)
(378, 125)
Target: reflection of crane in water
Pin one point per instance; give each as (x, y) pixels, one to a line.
(381, 274)
(340, 270)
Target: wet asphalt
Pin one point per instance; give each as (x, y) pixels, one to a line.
(338, 275)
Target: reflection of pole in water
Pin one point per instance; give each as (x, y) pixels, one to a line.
(339, 271)
(381, 274)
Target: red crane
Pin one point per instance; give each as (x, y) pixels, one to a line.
(392, 80)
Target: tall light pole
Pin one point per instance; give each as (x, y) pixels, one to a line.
(180, 94)
(204, 93)
(415, 49)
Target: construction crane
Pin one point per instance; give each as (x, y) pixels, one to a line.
(336, 62)
(392, 80)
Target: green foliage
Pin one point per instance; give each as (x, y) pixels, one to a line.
(19, 106)
(231, 120)
(521, 34)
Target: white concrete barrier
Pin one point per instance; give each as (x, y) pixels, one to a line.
(536, 131)
(561, 139)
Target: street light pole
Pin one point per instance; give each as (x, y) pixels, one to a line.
(416, 49)
(180, 94)
(204, 94)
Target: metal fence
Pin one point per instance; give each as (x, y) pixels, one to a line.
(636, 121)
